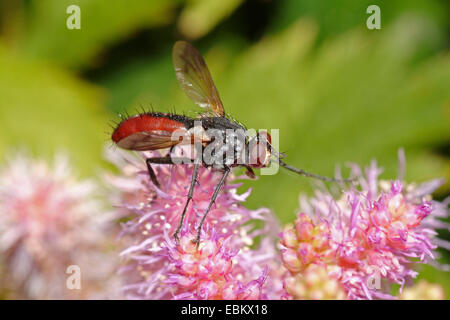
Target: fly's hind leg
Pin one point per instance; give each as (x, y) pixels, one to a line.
(169, 160)
(213, 199)
(189, 198)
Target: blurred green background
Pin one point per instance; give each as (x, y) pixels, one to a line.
(337, 91)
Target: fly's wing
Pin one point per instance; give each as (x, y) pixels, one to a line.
(161, 139)
(194, 77)
(149, 140)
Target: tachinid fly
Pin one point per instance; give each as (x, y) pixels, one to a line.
(156, 130)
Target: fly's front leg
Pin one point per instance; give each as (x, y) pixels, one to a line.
(250, 173)
(213, 199)
(189, 198)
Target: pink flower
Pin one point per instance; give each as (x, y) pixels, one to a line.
(365, 235)
(48, 222)
(315, 282)
(211, 272)
(156, 268)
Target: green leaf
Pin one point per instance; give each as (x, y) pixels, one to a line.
(336, 17)
(46, 109)
(103, 23)
(200, 16)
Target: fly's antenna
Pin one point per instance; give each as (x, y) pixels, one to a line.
(312, 175)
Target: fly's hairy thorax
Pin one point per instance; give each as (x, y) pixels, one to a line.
(228, 141)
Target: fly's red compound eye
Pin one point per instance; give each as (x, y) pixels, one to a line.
(259, 155)
(264, 136)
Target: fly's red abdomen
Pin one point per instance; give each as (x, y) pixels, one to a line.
(150, 131)
(145, 123)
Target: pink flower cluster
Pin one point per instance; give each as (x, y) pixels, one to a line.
(50, 221)
(209, 272)
(228, 264)
(365, 239)
(353, 243)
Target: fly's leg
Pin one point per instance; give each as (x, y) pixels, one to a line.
(189, 198)
(169, 160)
(213, 199)
(156, 160)
(250, 173)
